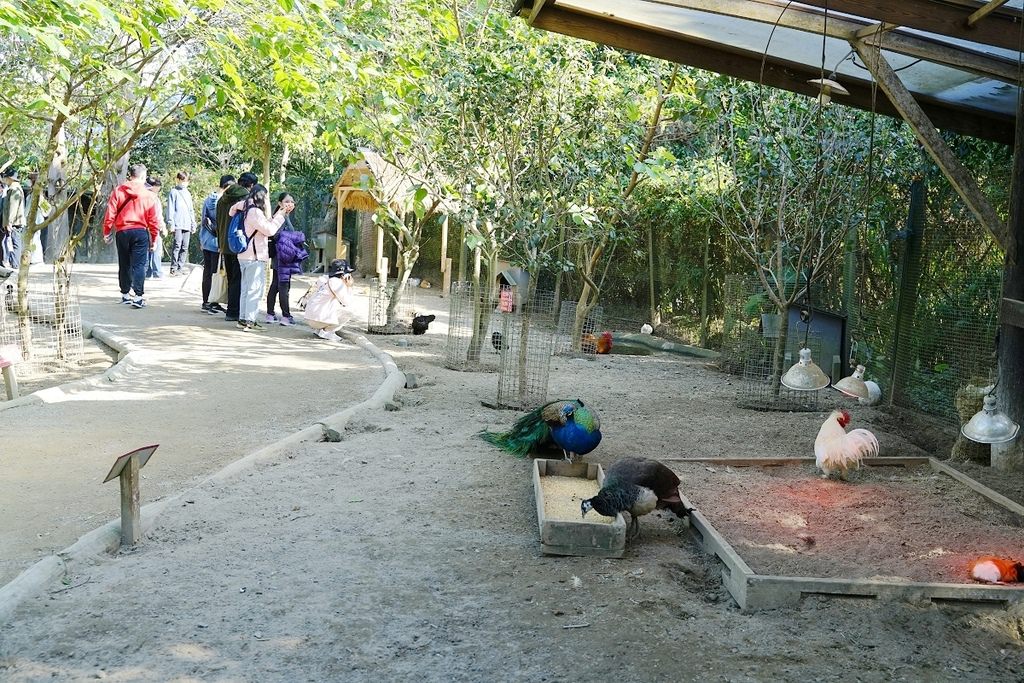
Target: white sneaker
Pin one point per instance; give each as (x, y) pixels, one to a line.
(325, 335)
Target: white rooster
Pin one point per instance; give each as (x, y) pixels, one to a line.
(835, 450)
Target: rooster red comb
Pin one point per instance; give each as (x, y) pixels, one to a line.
(844, 417)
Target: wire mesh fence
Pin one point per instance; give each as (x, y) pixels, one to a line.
(388, 315)
(584, 343)
(760, 388)
(49, 337)
(527, 343)
(751, 331)
(475, 327)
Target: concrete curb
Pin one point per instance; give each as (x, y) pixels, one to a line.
(107, 538)
(129, 358)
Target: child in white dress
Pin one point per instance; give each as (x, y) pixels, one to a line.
(329, 305)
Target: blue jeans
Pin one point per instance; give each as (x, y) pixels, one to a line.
(179, 252)
(12, 247)
(153, 268)
(132, 250)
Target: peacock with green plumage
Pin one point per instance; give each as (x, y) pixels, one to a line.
(565, 423)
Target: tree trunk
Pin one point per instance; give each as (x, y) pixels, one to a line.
(266, 159)
(779, 353)
(651, 276)
(58, 232)
(484, 299)
(561, 272)
(282, 175)
(584, 305)
(525, 313)
(408, 254)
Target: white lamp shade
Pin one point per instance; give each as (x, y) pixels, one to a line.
(989, 425)
(853, 386)
(805, 375)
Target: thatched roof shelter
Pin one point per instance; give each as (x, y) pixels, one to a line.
(366, 184)
(372, 181)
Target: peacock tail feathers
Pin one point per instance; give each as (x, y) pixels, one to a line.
(534, 429)
(528, 432)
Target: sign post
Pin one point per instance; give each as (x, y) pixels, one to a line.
(126, 468)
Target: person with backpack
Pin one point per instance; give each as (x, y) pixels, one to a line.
(208, 241)
(253, 257)
(132, 220)
(329, 301)
(181, 219)
(231, 196)
(287, 252)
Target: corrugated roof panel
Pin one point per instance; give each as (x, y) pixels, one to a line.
(729, 33)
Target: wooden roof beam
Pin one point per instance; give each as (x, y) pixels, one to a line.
(958, 176)
(813, 20)
(1000, 28)
(747, 66)
(984, 11)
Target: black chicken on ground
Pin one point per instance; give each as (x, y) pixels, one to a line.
(498, 342)
(420, 323)
(637, 486)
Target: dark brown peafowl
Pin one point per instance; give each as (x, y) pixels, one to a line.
(566, 423)
(637, 486)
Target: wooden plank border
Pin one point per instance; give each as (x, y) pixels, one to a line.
(753, 591)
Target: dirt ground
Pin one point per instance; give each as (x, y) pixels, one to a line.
(409, 551)
(905, 523)
(207, 392)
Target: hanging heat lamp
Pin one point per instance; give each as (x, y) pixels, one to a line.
(853, 386)
(805, 375)
(826, 88)
(990, 425)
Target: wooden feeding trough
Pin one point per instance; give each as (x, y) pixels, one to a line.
(756, 591)
(565, 533)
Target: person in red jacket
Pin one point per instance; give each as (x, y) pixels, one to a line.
(133, 221)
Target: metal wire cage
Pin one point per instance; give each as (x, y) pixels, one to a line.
(585, 343)
(528, 337)
(49, 338)
(386, 314)
(760, 389)
(475, 327)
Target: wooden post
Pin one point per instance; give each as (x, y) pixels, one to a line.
(1009, 457)
(339, 230)
(446, 277)
(131, 522)
(444, 244)
(11, 382)
(381, 259)
(958, 176)
(910, 277)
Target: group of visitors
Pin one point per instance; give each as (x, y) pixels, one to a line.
(14, 217)
(134, 219)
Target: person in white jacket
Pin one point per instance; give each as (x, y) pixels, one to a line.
(253, 261)
(329, 304)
